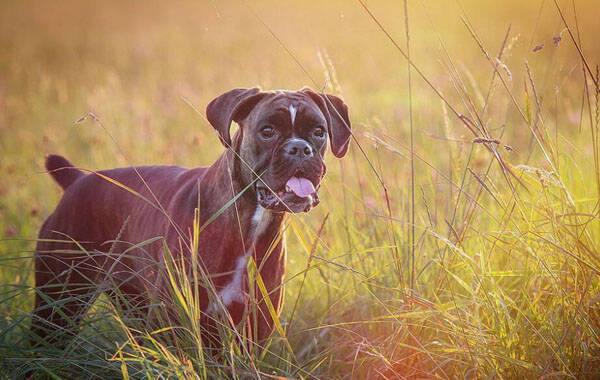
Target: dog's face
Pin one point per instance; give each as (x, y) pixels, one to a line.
(282, 140)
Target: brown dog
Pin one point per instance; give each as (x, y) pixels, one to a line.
(275, 161)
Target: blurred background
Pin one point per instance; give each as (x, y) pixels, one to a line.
(132, 64)
(504, 271)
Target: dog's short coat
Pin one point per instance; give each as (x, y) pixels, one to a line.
(275, 160)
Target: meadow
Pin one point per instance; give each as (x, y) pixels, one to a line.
(460, 237)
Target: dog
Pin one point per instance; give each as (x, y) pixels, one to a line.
(272, 166)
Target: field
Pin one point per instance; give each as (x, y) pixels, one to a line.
(459, 238)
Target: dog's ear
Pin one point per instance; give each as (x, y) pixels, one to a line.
(234, 105)
(336, 113)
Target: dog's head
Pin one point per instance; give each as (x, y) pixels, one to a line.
(282, 139)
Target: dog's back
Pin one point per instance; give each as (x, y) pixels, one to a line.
(100, 205)
(81, 242)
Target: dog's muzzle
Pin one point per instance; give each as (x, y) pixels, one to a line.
(298, 195)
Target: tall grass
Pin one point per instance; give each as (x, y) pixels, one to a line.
(504, 103)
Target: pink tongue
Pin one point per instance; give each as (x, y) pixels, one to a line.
(301, 186)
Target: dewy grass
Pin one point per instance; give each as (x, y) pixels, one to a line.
(506, 186)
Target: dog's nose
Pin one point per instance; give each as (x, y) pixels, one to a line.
(298, 148)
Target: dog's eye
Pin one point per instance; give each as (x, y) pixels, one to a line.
(267, 132)
(319, 131)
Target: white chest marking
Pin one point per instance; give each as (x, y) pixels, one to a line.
(292, 113)
(258, 214)
(233, 292)
(260, 222)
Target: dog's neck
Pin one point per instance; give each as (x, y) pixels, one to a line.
(223, 181)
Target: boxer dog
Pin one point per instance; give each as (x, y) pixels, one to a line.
(272, 166)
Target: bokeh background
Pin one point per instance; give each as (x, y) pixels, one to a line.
(503, 282)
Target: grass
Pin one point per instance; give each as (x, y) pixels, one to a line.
(505, 147)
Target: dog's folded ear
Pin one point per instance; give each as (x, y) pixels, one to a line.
(336, 113)
(234, 105)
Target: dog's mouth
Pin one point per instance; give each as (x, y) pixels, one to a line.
(299, 194)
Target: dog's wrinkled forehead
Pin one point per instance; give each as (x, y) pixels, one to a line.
(287, 109)
(246, 106)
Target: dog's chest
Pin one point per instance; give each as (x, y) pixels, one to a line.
(261, 223)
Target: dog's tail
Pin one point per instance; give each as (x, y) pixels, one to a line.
(63, 172)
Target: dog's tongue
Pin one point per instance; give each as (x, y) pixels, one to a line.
(301, 186)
